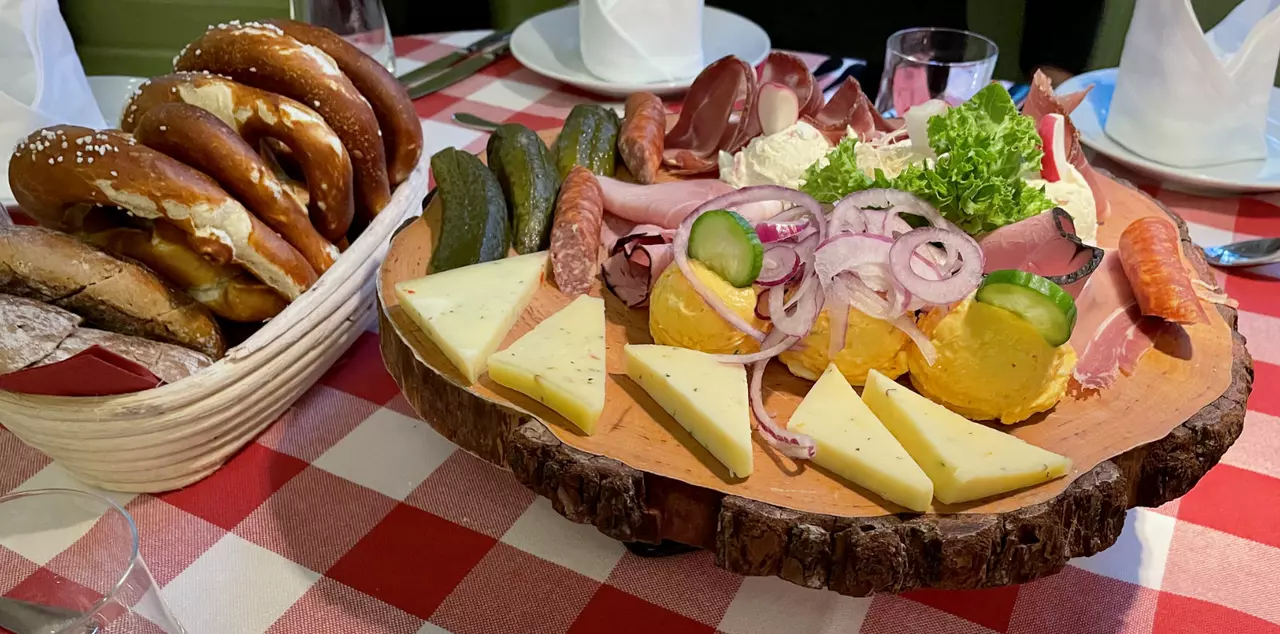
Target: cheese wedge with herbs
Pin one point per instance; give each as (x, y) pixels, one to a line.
(468, 311)
(853, 444)
(560, 363)
(707, 398)
(966, 461)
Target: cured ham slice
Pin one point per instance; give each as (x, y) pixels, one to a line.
(791, 71)
(1110, 334)
(707, 122)
(1040, 102)
(849, 107)
(635, 261)
(1044, 244)
(1151, 255)
(666, 204)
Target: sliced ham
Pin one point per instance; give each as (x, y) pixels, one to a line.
(1044, 244)
(635, 262)
(849, 107)
(791, 71)
(1040, 102)
(1110, 335)
(707, 122)
(666, 204)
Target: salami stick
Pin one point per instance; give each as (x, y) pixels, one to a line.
(1151, 256)
(640, 142)
(575, 233)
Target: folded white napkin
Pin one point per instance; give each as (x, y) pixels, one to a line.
(641, 41)
(41, 80)
(1191, 99)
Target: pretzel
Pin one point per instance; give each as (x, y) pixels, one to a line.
(259, 115)
(61, 167)
(401, 128)
(262, 56)
(199, 139)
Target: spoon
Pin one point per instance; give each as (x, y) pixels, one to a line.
(469, 120)
(1247, 253)
(23, 617)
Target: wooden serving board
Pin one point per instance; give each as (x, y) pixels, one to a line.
(641, 477)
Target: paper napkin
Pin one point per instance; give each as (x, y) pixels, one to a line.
(641, 41)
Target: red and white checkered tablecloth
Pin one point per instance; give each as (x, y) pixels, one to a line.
(350, 515)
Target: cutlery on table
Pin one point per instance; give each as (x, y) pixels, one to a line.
(468, 120)
(456, 66)
(24, 617)
(1247, 253)
(434, 67)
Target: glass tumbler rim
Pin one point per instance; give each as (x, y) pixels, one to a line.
(109, 506)
(992, 48)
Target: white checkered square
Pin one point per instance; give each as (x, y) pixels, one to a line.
(766, 605)
(541, 531)
(389, 453)
(1139, 554)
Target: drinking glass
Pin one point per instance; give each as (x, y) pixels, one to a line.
(361, 22)
(90, 577)
(933, 63)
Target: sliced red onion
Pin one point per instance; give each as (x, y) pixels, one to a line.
(762, 306)
(807, 302)
(838, 320)
(846, 215)
(908, 325)
(774, 231)
(781, 264)
(771, 347)
(885, 224)
(788, 443)
(950, 288)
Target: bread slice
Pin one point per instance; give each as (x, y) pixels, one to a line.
(168, 362)
(30, 331)
(109, 293)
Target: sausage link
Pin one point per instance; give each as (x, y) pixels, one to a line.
(640, 142)
(575, 232)
(1150, 253)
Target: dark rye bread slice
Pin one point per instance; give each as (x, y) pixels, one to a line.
(109, 293)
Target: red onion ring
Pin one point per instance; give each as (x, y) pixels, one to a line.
(908, 325)
(846, 215)
(786, 442)
(776, 231)
(949, 288)
(781, 264)
(769, 348)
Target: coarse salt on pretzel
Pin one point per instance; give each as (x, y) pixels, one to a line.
(401, 128)
(258, 115)
(198, 138)
(63, 167)
(262, 56)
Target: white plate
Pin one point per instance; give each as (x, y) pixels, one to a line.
(547, 44)
(1242, 177)
(111, 92)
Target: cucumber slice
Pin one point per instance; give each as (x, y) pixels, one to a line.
(1048, 308)
(728, 245)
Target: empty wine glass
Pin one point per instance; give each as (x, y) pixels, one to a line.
(78, 568)
(933, 63)
(361, 22)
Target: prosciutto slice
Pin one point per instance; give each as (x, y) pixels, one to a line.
(1040, 102)
(1110, 335)
(1044, 244)
(710, 121)
(635, 261)
(791, 71)
(666, 204)
(849, 107)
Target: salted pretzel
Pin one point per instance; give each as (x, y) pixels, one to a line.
(196, 137)
(262, 56)
(259, 115)
(401, 128)
(64, 167)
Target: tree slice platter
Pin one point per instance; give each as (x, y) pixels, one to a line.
(642, 477)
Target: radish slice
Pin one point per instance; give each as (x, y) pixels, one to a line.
(949, 288)
(787, 442)
(781, 264)
(773, 231)
(1053, 131)
(778, 107)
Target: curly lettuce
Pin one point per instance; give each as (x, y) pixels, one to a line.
(983, 146)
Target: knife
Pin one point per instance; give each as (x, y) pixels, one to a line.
(497, 38)
(456, 73)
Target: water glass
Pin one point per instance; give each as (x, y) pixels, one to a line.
(934, 63)
(361, 22)
(79, 569)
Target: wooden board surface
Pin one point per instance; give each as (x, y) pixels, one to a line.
(1165, 391)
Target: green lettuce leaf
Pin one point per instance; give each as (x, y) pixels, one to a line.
(984, 147)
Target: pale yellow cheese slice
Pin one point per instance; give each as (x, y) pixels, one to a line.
(853, 444)
(965, 460)
(560, 362)
(707, 398)
(467, 312)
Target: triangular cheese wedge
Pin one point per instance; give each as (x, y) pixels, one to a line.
(853, 444)
(467, 312)
(560, 362)
(707, 398)
(965, 460)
